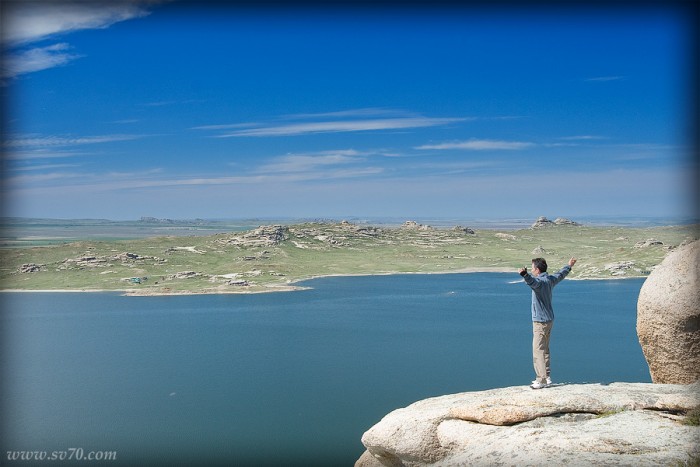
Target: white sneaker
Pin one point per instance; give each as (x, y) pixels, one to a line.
(537, 385)
(547, 383)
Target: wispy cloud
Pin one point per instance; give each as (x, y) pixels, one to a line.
(582, 138)
(480, 145)
(28, 21)
(41, 179)
(310, 162)
(90, 183)
(43, 167)
(58, 141)
(227, 126)
(37, 59)
(363, 112)
(605, 78)
(40, 153)
(331, 122)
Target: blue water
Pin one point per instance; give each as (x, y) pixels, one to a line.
(285, 378)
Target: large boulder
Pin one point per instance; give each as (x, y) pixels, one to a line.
(668, 317)
(574, 424)
(542, 222)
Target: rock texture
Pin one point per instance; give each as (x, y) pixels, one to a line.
(565, 221)
(542, 221)
(576, 424)
(415, 225)
(668, 317)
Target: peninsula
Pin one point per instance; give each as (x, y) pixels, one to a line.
(276, 257)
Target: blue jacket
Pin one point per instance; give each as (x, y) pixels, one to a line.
(542, 286)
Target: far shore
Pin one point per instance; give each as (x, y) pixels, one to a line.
(289, 287)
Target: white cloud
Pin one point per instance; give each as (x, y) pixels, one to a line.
(37, 59)
(43, 167)
(309, 162)
(54, 141)
(582, 138)
(606, 78)
(40, 153)
(342, 126)
(365, 112)
(31, 21)
(229, 126)
(480, 145)
(27, 22)
(40, 179)
(369, 119)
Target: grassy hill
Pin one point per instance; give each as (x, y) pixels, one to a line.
(273, 257)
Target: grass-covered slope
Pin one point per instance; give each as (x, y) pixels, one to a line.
(272, 257)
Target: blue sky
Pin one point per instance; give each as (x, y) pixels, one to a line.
(169, 109)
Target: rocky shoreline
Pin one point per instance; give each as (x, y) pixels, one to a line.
(635, 424)
(568, 424)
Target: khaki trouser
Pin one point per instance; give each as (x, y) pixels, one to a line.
(540, 349)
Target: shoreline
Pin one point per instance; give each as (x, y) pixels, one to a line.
(290, 286)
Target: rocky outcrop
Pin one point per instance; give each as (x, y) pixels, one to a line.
(415, 226)
(668, 317)
(96, 261)
(647, 243)
(466, 230)
(30, 267)
(576, 424)
(620, 268)
(544, 222)
(565, 221)
(265, 235)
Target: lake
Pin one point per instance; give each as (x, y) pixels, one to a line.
(290, 378)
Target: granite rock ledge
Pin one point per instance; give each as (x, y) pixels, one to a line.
(567, 424)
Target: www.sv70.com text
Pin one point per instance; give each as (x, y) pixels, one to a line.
(70, 454)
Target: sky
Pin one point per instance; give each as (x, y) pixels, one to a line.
(221, 110)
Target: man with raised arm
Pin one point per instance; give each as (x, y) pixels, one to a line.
(542, 284)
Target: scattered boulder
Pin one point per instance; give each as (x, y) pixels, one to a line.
(539, 250)
(668, 317)
(620, 268)
(29, 268)
(413, 225)
(648, 243)
(183, 275)
(126, 256)
(266, 235)
(238, 283)
(466, 230)
(542, 222)
(565, 221)
(592, 424)
(367, 231)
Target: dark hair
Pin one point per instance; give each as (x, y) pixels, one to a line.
(540, 264)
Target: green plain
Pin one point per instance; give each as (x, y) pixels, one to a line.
(274, 257)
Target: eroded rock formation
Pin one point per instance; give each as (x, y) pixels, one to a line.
(576, 424)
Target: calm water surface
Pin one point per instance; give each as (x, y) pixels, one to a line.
(285, 378)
